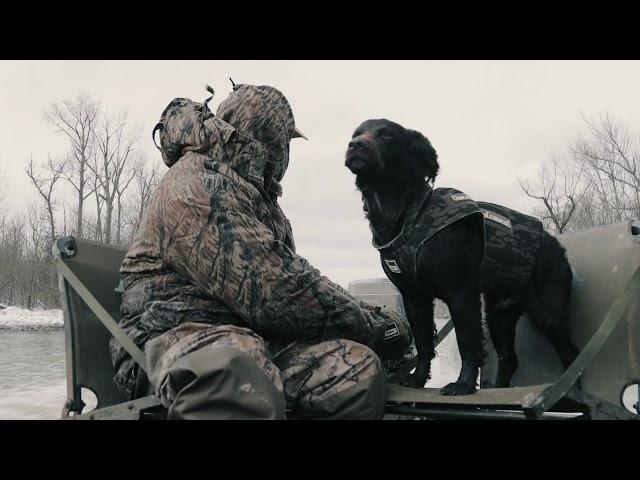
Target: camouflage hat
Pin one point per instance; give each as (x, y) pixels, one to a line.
(263, 113)
(182, 129)
(298, 134)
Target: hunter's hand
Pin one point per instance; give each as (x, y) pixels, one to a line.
(391, 332)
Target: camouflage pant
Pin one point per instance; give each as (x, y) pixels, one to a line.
(224, 372)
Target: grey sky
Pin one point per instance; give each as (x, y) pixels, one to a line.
(489, 121)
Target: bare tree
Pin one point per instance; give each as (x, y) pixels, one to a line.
(101, 159)
(147, 178)
(35, 221)
(96, 183)
(124, 172)
(76, 119)
(601, 183)
(12, 242)
(3, 189)
(611, 156)
(558, 186)
(113, 170)
(45, 184)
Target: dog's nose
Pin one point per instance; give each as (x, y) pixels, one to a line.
(357, 144)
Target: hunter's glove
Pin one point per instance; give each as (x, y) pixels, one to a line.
(391, 332)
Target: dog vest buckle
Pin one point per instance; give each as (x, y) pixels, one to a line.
(393, 266)
(458, 197)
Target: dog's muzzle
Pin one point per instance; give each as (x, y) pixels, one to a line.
(357, 153)
(358, 145)
(354, 162)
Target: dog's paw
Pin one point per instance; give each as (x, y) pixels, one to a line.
(502, 381)
(458, 388)
(501, 384)
(415, 381)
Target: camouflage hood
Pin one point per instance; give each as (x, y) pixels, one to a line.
(264, 114)
(250, 133)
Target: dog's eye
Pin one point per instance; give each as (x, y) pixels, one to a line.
(385, 134)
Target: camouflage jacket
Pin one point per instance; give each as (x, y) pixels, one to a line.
(214, 247)
(511, 239)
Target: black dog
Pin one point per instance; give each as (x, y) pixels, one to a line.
(441, 244)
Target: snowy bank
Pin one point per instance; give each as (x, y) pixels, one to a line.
(15, 318)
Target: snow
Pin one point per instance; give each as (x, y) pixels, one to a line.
(16, 318)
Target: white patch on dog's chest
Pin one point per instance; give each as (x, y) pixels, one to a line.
(393, 266)
(489, 215)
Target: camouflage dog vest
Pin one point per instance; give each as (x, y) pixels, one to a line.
(511, 239)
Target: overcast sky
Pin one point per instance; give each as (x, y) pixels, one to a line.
(490, 121)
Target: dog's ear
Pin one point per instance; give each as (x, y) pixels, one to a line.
(423, 159)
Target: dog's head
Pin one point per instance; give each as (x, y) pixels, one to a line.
(382, 148)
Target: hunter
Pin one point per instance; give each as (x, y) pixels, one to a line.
(235, 324)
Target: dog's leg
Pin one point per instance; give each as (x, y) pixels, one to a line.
(465, 309)
(549, 296)
(554, 325)
(502, 318)
(562, 343)
(420, 316)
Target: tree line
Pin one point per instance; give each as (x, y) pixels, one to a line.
(97, 189)
(594, 181)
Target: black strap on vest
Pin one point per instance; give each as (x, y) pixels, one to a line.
(414, 210)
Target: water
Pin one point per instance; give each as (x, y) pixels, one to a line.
(32, 374)
(33, 378)
(33, 384)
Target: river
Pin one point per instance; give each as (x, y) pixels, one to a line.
(33, 384)
(32, 374)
